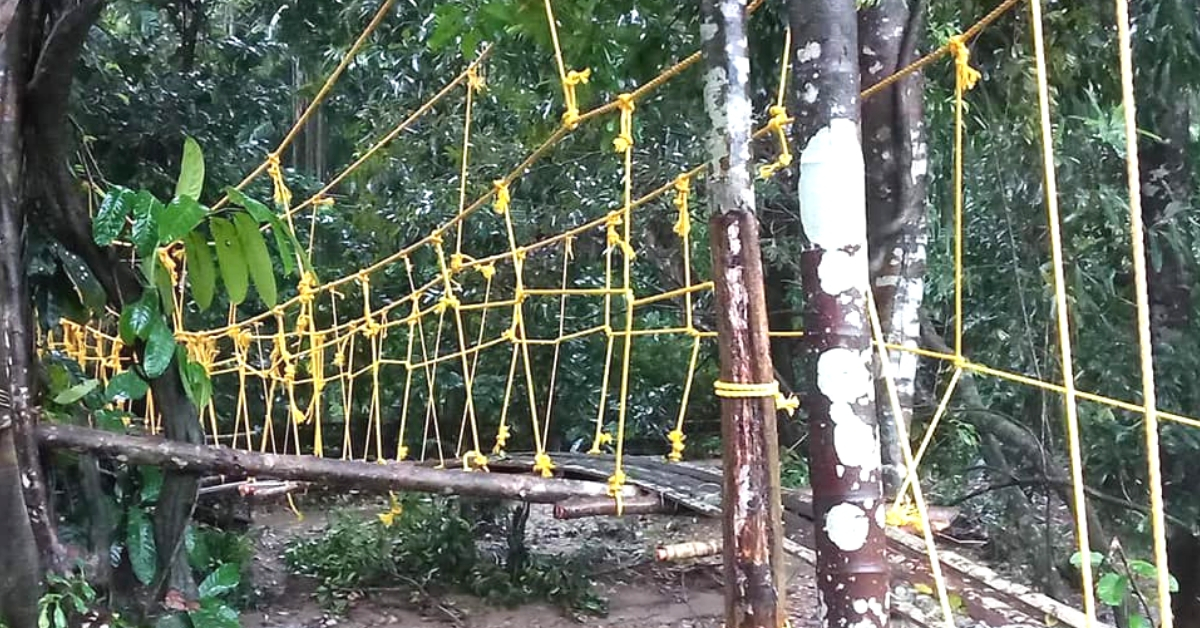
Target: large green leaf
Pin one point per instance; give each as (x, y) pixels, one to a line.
(201, 272)
(1112, 588)
(110, 220)
(136, 318)
(214, 614)
(146, 210)
(90, 292)
(259, 211)
(196, 382)
(258, 260)
(127, 384)
(191, 171)
(285, 242)
(230, 258)
(179, 218)
(139, 537)
(164, 288)
(160, 348)
(226, 578)
(76, 392)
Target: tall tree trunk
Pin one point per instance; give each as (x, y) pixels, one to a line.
(65, 216)
(753, 548)
(20, 581)
(848, 512)
(894, 151)
(17, 381)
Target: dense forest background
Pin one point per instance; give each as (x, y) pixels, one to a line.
(233, 74)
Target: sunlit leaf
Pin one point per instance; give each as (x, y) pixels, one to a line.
(201, 272)
(230, 258)
(258, 260)
(110, 219)
(191, 171)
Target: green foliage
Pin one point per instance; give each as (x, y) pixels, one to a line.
(431, 546)
(1119, 586)
(139, 534)
(67, 598)
(258, 261)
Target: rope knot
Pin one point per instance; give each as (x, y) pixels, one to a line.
(307, 286)
(676, 438)
(570, 117)
(542, 464)
(474, 80)
(624, 140)
(502, 436)
(683, 189)
(320, 200)
(742, 390)
(502, 197)
(448, 302)
(965, 75)
(487, 270)
(283, 196)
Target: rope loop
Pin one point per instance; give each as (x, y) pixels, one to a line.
(502, 196)
(741, 390)
(624, 140)
(570, 117)
(283, 196)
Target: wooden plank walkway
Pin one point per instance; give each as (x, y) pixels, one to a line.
(988, 599)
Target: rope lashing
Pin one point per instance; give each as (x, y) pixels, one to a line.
(676, 437)
(624, 140)
(502, 197)
(283, 196)
(542, 464)
(777, 125)
(739, 390)
(570, 117)
(683, 190)
(966, 75)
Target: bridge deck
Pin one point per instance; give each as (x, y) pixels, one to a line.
(988, 599)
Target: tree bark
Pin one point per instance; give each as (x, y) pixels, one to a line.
(17, 380)
(753, 534)
(401, 476)
(894, 151)
(20, 581)
(65, 216)
(852, 571)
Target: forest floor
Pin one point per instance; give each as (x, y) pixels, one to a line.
(640, 592)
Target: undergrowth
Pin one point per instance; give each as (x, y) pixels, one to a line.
(429, 547)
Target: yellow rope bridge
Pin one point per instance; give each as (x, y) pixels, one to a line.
(459, 308)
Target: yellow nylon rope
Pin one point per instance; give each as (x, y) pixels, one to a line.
(1145, 343)
(1062, 315)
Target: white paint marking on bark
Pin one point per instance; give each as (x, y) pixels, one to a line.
(839, 271)
(810, 93)
(708, 30)
(847, 526)
(716, 83)
(832, 188)
(842, 376)
(810, 52)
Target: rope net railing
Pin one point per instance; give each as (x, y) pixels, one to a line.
(308, 373)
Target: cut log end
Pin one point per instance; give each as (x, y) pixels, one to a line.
(691, 549)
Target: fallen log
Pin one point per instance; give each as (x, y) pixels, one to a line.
(401, 476)
(579, 507)
(690, 549)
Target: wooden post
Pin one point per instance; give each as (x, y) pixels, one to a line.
(844, 456)
(753, 549)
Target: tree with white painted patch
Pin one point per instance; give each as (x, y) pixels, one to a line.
(839, 394)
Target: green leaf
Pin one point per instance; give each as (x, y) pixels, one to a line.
(191, 171)
(230, 258)
(1143, 568)
(160, 348)
(449, 20)
(259, 211)
(146, 210)
(76, 392)
(1137, 621)
(110, 220)
(127, 384)
(60, 618)
(136, 318)
(179, 218)
(257, 258)
(166, 291)
(1112, 588)
(196, 383)
(111, 420)
(1077, 559)
(44, 618)
(225, 579)
(152, 479)
(139, 537)
(90, 292)
(201, 272)
(214, 614)
(286, 244)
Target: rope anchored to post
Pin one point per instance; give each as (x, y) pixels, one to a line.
(740, 390)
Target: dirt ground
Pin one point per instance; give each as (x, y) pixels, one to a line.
(641, 593)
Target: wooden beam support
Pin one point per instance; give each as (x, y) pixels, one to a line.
(581, 507)
(401, 476)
